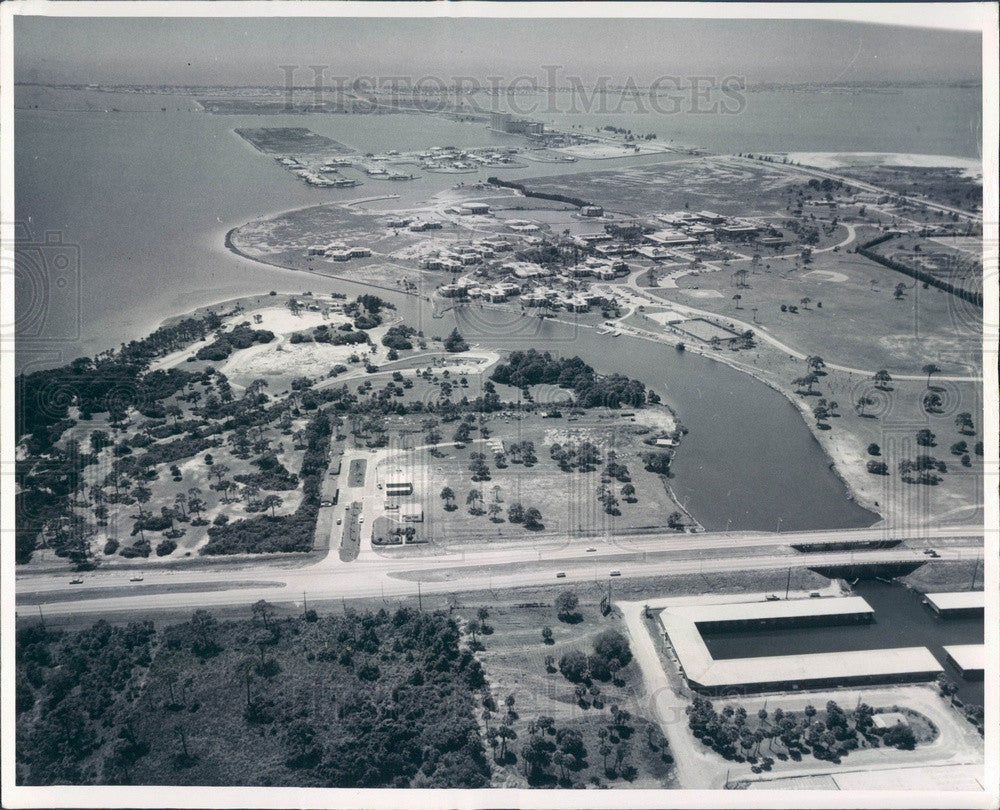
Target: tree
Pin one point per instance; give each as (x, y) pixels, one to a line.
(537, 756)
(628, 493)
(573, 666)
(473, 497)
(814, 363)
(263, 610)
(882, 379)
(963, 422)
(613, 645)
(515, 513)
(809, 380)
(930, 369)
(142, 494)
(532, 518)
(272, 501)
(566, 605)
(863, 402)
(925, 438)
(874, 449)
(547, 635)
(455, 343)
(495, 509)
(448, 496)
(899, 292)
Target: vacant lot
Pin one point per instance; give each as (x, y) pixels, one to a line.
(514, 659)
(291, 141)
(568, 501)
(719, 184)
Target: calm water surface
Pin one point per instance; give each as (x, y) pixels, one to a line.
(900, 621)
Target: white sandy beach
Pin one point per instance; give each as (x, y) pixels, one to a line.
(971, 167)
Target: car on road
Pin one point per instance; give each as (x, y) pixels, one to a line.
(561, 575)
(361, 519)
(135, 579)
(591, 549)
(339, 521)
(76, 581)
(616, 573)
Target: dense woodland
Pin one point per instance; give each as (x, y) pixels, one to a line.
(532, 367)
(353, 700)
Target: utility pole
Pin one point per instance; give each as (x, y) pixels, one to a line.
(420, 600)
(788, 583)
(42, 615)
(305, 606)
(975, 570)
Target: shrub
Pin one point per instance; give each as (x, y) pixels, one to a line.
(165, 547)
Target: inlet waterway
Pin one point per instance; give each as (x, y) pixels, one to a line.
(901, 620)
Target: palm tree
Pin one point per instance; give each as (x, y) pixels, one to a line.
(473, 497)
(448, 495)
(930, 369)
(737, 298)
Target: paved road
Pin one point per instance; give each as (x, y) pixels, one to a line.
(455, 571)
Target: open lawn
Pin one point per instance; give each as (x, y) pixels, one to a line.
(852, 316)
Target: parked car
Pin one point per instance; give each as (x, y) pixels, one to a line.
(561, 575)
(616, 573)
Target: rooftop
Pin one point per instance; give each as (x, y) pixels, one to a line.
(680, 625)
(957, 600)
(969, 657)
(749, 611)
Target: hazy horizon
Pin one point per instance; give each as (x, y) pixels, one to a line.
(252, 51)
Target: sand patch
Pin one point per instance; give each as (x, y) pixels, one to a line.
(826, 275)
(703, 293)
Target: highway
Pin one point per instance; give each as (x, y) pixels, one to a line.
(451, 571)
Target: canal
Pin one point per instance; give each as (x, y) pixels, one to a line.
(901, 620)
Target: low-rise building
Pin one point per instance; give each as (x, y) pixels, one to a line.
(669, 237)
(397, 487)
(475, 208)
(592, 211)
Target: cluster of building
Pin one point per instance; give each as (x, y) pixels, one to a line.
(314, 179)
(339, 252)
(524, 282)
(467, 255)
(414, 225)
(450, 158)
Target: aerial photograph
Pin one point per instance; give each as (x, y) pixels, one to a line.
(489, 404)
